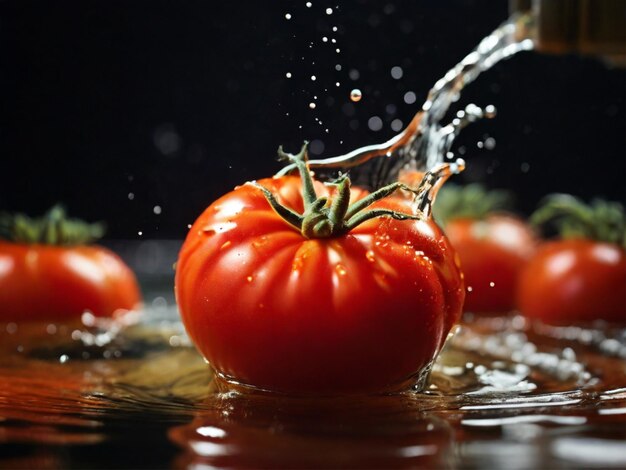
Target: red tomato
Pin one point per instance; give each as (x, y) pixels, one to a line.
(492, 251)
(364, 311)
(575, 280)
(58, 283)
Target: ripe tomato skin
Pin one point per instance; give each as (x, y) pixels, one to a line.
(492, 250)
(574, 280)
(58, 283)
(361, 312)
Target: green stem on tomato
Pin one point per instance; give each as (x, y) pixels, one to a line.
(325, 217)
(600, 220)
(471, 201)
(53, 228)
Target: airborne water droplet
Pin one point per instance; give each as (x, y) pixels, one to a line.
(356, 95)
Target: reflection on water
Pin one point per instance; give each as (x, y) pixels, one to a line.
(503, 393)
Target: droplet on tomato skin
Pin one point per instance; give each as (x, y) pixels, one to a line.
(470, 288)
(250, 278)
(226, 244)
(296, 265)
(260, 242)
(340, 269)
(492, 284)
(371, 257)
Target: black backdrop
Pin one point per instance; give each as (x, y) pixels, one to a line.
(115, 107)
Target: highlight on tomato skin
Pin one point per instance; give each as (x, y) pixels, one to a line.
(574, 280)
(493, 244)
(50, 271)
(580, 276)
(365, 309)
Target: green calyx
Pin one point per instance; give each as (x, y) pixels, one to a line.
(325, 217)
(53, 228)
(472, 201)
(600, 220)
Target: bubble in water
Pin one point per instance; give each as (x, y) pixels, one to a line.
(356, 95)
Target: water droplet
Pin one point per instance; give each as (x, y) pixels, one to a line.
(309, 4)
(11, 328)
(288, 16)
(325, 39)
(337, 83)
(354, 74)
(492, 284)
(316, 147)
(396, 125)
(356, 95)
(335, 29)
(338, 67)
(397, 72)
(249, 278)
(410, 97)
(329, 11)
(64, 358)
(140, 233)
(51, 329)
(470, 288)
(370, 256)
(313, 77)
(157, 210)
(337, 50)
(131, 196)
(375, 123)
(312, 105)
(340, 269)
(288, 75)
(490, 143)
(226, 244)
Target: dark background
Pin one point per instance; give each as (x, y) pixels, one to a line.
(115, 107)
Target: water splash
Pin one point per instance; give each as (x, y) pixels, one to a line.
(426, 141)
